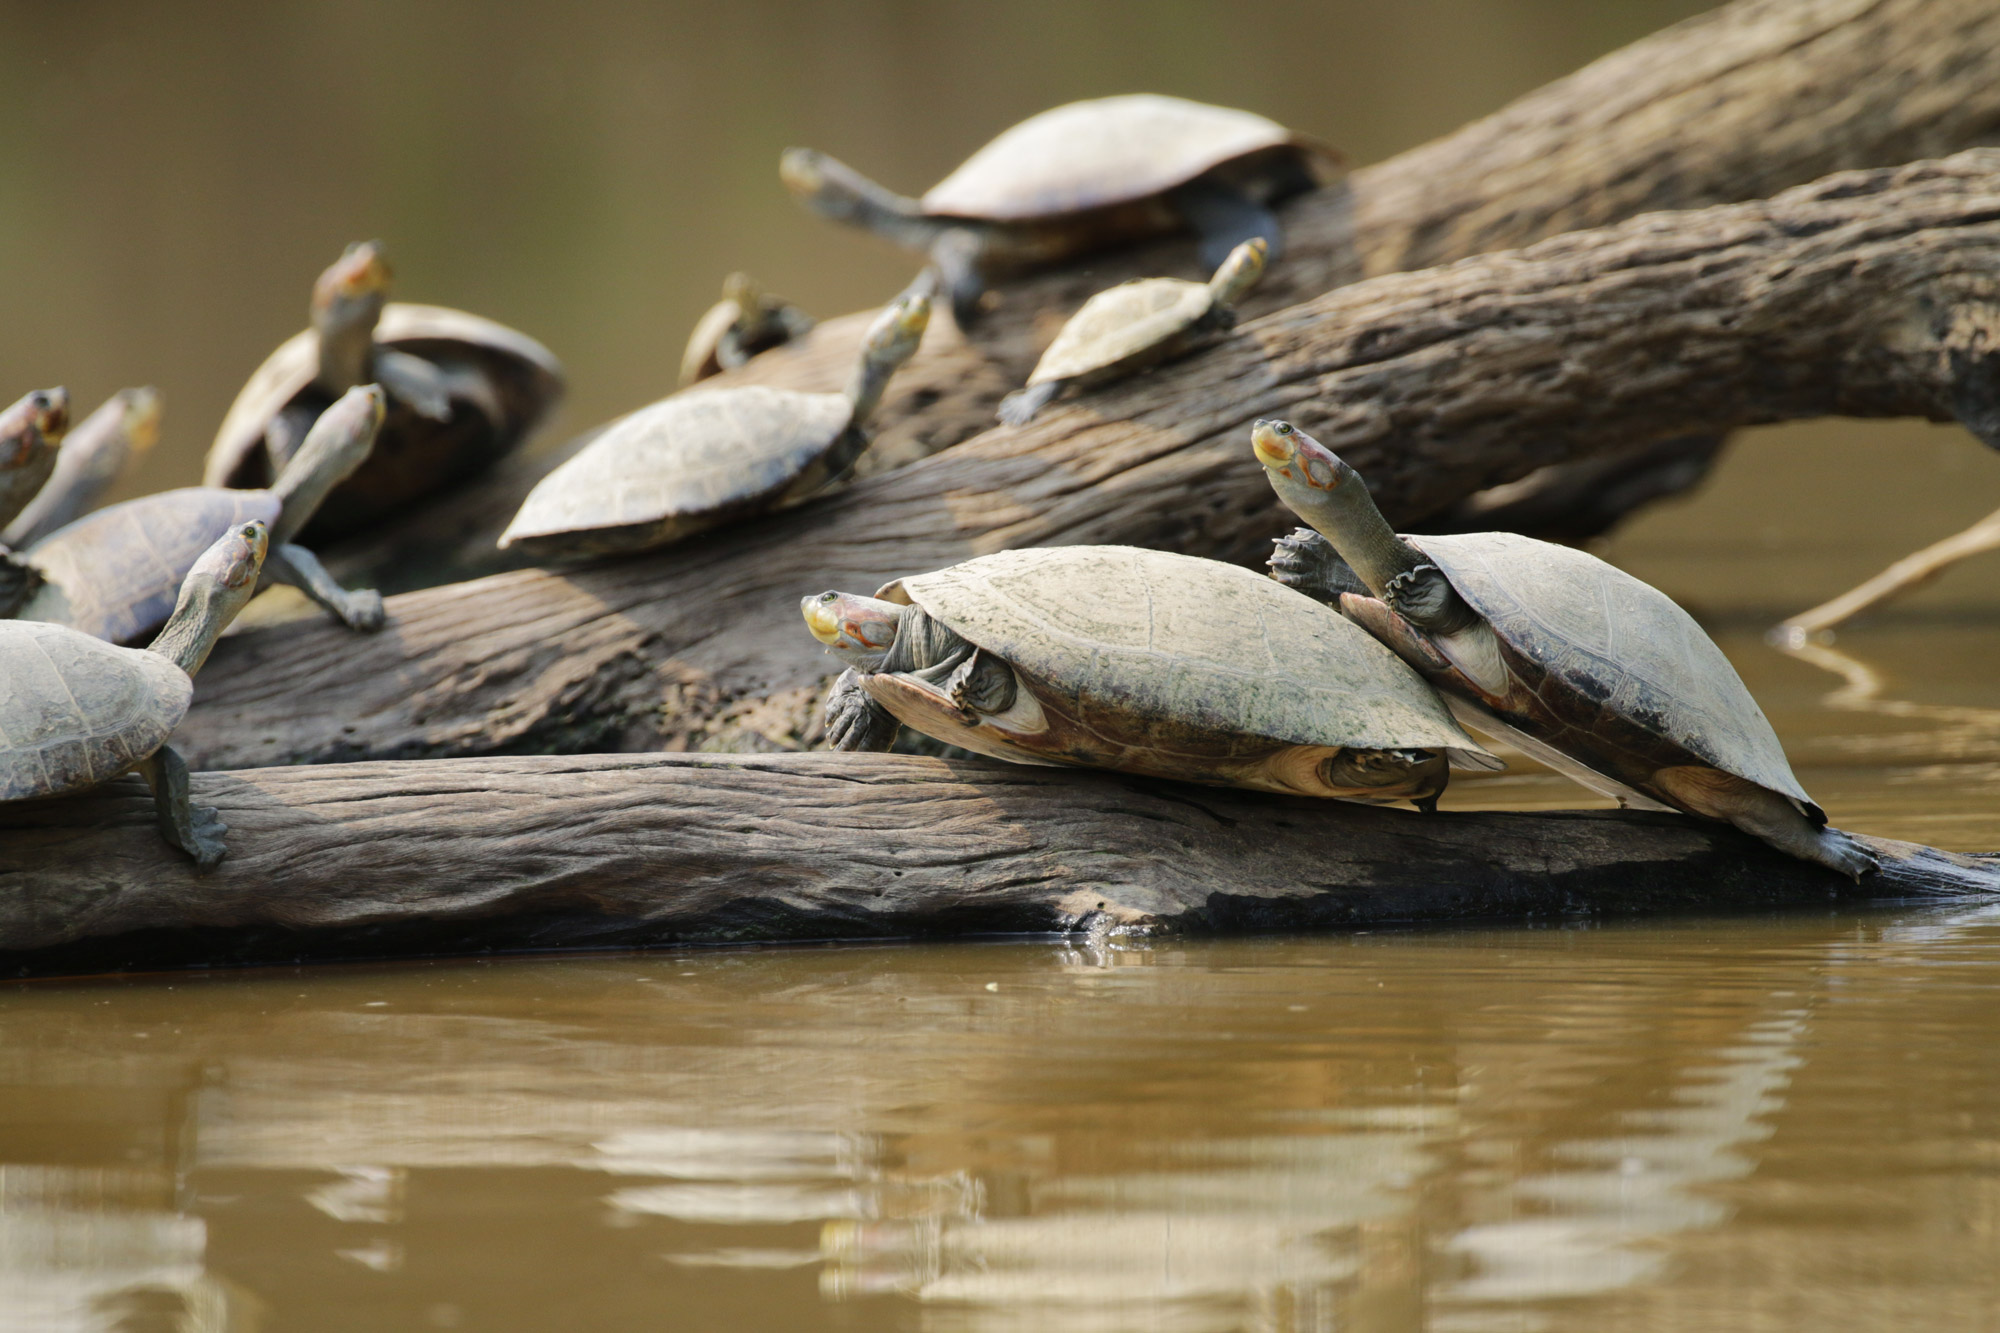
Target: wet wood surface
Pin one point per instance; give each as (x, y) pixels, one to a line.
(451, 856)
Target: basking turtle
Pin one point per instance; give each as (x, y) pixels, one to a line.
(1142, 661)
(1596, 674)
(1134, 325)
(115, 573)
(123, 428)
(1081, 177)
(707, 456)
(746, 321)
(76, 711)
(31, 433)
(463, 391)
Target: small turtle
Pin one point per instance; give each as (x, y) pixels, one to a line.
(1081, 177)
(1141, 661)
(464, 391)
(115, 573)
(1134, 325)
(708, 456)
(746, 321)
(31, 434)
(76, 711)
(122, 429)
(1598, 675)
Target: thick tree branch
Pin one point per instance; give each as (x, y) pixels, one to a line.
(1871, 293)
(458, 855)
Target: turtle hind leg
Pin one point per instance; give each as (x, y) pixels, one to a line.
(194, 829)
(1019, 407)
(359, 610)
(1223, 217)
(1765, 814)
(854, 721)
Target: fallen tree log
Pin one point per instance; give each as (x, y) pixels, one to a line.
(1733, 105)
(1869, 294)
(344, 861)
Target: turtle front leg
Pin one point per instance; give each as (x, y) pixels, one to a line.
(956, 255)
(413, 381)
(195, 829)
(854, 721)
(360, 609)
(1306, 562)
(1223, 217)
(1019, 407)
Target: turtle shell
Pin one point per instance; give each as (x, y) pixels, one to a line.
(1121, 323)
(115, 573)
(76, 711)
(1212, 647)
(687, 460)
(1108, 151)
(1620, 641)
(412, 456)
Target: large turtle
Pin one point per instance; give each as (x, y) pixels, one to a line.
(463, 391)
(123, 428)
(1582, 666)
(746, 321)
(1142, 661)
(1134, 325)
(76, 711)
(708, 456)
(115, 573)
(1077, 178)
(31, 433)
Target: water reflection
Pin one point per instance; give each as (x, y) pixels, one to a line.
(1553, 1129)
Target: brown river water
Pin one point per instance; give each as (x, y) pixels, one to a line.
(1737, 1123)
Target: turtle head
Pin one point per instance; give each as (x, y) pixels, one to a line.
(832, 189)
(742, 289)
(32, 427)
(1289, 454)
(892, 340)
(222, 580)
(347, 302)
(338, 443)
(858, 630)
(1241, 271)
(1316, 485)
(141, 417)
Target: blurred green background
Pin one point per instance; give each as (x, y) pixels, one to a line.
(172, 177)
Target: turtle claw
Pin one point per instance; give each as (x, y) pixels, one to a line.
(854, 721)
(1306, 562)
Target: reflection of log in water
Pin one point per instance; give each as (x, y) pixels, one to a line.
(475, 855)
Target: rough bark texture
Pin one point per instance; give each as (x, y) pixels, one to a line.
(1733, 105)
(1870, 293)
(457, 855)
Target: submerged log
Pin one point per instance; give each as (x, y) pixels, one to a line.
(1733, 105)
(344, 861)
(1869, 294)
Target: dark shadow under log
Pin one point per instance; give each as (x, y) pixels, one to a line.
(455, 856)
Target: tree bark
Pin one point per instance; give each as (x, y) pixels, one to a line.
(1869, 294)
(1733, 105)
(470, 855)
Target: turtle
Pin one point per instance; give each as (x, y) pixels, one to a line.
(1077, 178)
(123, 428)
(1134, 325)
(464, 391)
(1597, 674)
(707, 456)
(746, 321)
(1141, 661)
(115, 573)
(76, 711)
(31, 434)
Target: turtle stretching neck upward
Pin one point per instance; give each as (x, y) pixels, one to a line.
(1584, 667)
(31, 433)
(77, 711)
(1140, 661)
(746, 321)
(92, 457)
(115, 573)
(1081, 177)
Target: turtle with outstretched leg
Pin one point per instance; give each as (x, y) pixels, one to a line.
(462, 391)
(31, 436)
(712, 456)
(746, 321)
(1141, 661)
(1134, 325)
(102, 445)
(76, 712)
(1090, 175)
(1595, 673)
(115, 573)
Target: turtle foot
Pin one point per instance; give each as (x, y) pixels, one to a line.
(854, 721)
(1019, 407)
(364, 612)
(1836, 851)
(1306, 562)
(205, 832)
